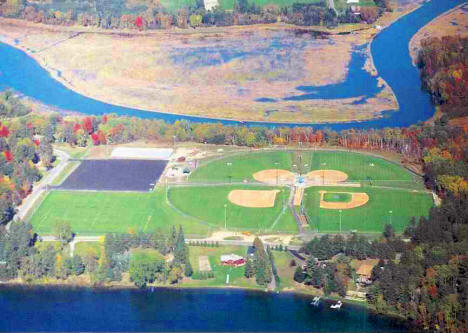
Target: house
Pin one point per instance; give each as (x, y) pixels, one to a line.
(364, 271)
(232, 260)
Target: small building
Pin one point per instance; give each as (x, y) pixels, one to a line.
(232, 260)
(352, 1)
(364, 273)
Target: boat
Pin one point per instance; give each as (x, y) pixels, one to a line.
(315, 301)
(336, 306)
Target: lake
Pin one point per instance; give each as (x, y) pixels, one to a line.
(80, 309)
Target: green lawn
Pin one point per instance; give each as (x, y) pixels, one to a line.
(96, 213)
(229, 4)
(207, 204)
(236, 275)
(371, 217)
(336, 197)
(359, 167)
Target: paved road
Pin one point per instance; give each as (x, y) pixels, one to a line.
(29, 201)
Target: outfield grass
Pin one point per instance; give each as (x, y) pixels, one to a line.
(96, 213)
(241, 166)
(358, 167)
(373, 216)
(207, 204)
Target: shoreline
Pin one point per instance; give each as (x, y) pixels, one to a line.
(133, 288)
(317, 106)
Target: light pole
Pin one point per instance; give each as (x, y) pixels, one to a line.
(340, 220)
(277, 175)
(225, 216)
(390, 211)
(229, 164)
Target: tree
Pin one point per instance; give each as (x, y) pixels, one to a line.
(249, 269)
(62, 230)
(144, 266)
(299, 275)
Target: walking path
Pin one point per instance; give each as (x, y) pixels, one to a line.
(42, 186)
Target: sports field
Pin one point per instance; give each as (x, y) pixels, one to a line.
(371, 217)
(94, 213)
(207, 204)
(358, 167)
(115, 175)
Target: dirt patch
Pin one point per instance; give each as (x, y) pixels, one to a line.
(326, 176)
(204, 264)
(298, 196)
(253, 198)
(275, 176)
(357, 200)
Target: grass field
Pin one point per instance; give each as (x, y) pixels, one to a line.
(236, 275)
(359, 167)
(373, 216)
(336, 197)
(97, 213)
(207, 204)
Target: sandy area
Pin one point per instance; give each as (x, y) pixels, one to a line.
(222, 235)
(298, 196)
(253, 198)
(172, 71)
(326, 176)
(274, 176)
(204, 264)
(357, 200)
(453, 22)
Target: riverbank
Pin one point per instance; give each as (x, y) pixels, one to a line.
(151, 71)
(450, 23)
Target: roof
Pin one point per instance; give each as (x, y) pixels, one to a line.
(365, 269)
(230, 257)
(352, 1)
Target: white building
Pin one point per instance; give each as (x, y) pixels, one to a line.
(352, 1)
(210, 4)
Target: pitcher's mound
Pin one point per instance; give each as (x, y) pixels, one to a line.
(271, 176)
(253, 198)
(326, 176)
(357, 200)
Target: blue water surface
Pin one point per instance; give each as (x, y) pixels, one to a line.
(65, 309)
(389, 50)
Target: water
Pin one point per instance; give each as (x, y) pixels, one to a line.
(389, 50)
(49, 309)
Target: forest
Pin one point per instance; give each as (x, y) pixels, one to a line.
(148, 15)
(444, 73)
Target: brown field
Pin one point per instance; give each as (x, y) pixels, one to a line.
(137, 70)
(253, 198)
(271, 176)
(357, 200)
(326, 176)
(454, 22)
(204, 264)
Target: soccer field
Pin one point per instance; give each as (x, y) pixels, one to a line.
(371, 217)
(207, 203)
(96, 213)
(358, 167)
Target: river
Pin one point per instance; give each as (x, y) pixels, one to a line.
(80, 309)
(389, 50)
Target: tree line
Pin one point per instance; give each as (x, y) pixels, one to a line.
(145, 257)
(118, 15)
